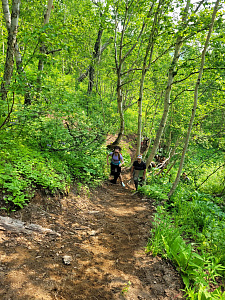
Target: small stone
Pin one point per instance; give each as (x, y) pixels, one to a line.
(67, 259)
(93, 233)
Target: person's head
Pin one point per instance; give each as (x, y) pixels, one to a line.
(117, 150)
(139, 158)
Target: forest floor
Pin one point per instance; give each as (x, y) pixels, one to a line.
(96, 249)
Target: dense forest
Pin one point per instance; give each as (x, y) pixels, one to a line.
(74, 72)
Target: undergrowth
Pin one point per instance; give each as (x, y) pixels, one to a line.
(40, 150)
(189, 229)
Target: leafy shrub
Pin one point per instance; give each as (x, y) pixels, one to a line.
(156, 187)
(48, 153)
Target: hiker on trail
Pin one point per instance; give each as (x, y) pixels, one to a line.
(116, 163)
(138, 171)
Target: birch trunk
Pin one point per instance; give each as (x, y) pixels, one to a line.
(18, 57)
(195, 101)
(12, 27)
(168, 90)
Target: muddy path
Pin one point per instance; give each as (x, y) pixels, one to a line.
(102, 232)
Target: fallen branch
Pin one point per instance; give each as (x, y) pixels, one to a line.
(7, 223)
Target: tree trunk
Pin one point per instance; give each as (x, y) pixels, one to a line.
(20, 70)
(171, 155)
(19, 65)
(144, 70)
(168, 89)
(12, 33)
(96, 57)
(42, 47)
(85, 74)
(150, 132)
(119, 61)
(120, 110)
(195, 102)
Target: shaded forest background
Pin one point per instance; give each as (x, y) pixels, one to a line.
(73, 72)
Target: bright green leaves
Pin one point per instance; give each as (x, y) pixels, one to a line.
(199, 269)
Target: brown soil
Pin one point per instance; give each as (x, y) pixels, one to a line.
(104, 231)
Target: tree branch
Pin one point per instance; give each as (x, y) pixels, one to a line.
(53, 51)
(209, 176)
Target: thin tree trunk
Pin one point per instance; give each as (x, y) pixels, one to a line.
(120, 109)
(19, 65)
(20, 70)
(150, 132)
(119, 61)
(3, 44)
(168, 89)
(85, 74)
(12, 33)
(171, 155)
(195, 102)
(144, 70)
(96, 57)
(171, 166)
(42, 47)
(170, 131)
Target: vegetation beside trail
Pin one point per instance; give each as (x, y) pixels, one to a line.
(189, 228)
(73, 73)
(41, 151)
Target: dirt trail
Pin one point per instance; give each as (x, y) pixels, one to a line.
(104, 232)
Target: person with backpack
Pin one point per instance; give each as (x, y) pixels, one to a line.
(116, 163)
(138, 171)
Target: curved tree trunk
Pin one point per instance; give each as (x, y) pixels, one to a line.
(85, 74)
(195, 102)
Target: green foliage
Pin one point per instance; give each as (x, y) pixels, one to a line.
(156, 187)
(49, 150)
(126, 288)
(198, 270)
(59, 138)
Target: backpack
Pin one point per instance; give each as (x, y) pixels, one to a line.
(120, 155)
